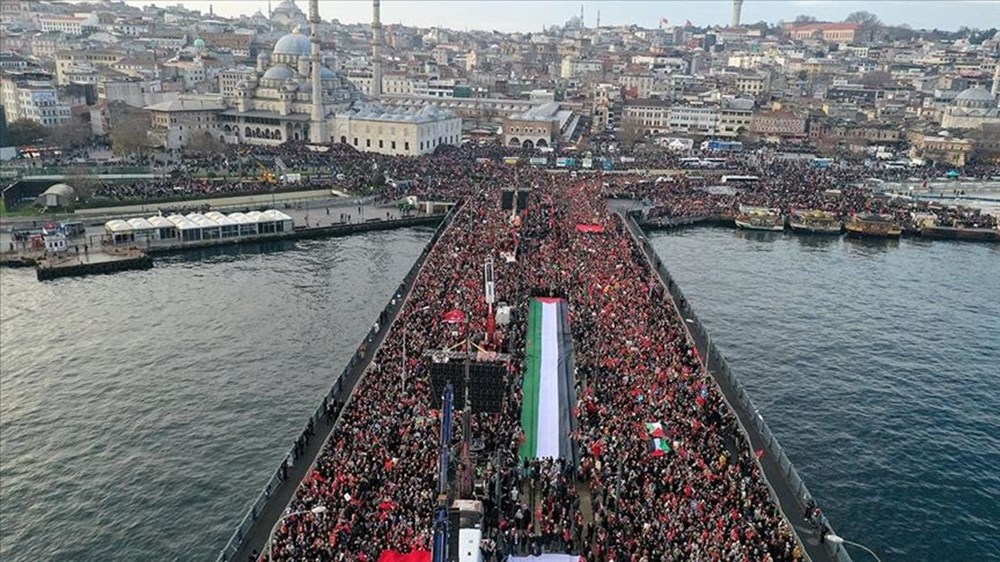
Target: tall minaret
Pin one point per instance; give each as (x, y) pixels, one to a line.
(996, 82)
(376, 51)
(317, 123)
(737, 6)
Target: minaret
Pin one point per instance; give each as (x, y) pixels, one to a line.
(598, 26)
(737, 6)
(996, 82)
(317, 125)
(376, 90)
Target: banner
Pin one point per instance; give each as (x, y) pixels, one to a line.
(415, 556)
(547, 411)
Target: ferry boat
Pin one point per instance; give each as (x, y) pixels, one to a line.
(814, 222)
(876, 226)
(760, 218)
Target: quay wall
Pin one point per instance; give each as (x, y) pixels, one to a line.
(254, 529)
(785, 484)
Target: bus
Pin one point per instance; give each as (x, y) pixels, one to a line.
(713, 162)
(740, 179)
(690, 162)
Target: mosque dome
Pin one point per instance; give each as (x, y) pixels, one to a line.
(199, 43)
(294, 43)
(976, 97)
(279, 72)
(291, 85)
(327, 74)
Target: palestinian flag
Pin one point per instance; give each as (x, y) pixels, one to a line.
(658, 439)
(547, 411)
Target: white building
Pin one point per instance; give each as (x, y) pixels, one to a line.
(175, 122)
(693, 119)
(70, 25)
(31, 96)
(398, 131)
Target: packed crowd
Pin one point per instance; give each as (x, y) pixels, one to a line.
(788, 185)
(377, 476)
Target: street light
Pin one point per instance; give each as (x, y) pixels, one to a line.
(318, 510)
(836, 539)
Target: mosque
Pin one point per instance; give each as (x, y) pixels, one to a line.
(293, 95)
(972, 109)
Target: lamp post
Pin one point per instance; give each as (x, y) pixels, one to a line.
(318, 510)
(835, 539)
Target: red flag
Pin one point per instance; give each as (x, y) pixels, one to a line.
(454, 317)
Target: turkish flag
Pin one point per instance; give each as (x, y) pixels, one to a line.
(454, 317)
(415, 556)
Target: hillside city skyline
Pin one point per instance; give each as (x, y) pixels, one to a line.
(504, 15)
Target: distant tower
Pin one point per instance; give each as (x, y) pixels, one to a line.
(581, 17)
(737, 7)
(598, 19)
(317, 125)
(376, 51)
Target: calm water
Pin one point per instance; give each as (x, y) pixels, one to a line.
(142, 412)
(877, 365)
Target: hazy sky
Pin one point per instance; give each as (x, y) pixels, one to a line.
(530, 15)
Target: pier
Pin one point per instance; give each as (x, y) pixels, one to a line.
(783, 484)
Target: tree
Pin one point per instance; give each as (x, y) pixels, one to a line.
(129, 135)
(24, 132)
(72, 134)
(802, 18)
(864, 18)
(203, 142)
(868, 22)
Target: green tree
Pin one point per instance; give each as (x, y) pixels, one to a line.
(24, 132)
(802, 18)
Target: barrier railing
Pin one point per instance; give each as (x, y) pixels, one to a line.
(350, 375)
(757, 432)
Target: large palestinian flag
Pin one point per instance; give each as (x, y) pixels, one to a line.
(547, 412)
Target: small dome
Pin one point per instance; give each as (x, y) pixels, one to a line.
(279, 72)
(293, 44)
(975, 97)
(199, 43)
(326, 74)
(290, 85)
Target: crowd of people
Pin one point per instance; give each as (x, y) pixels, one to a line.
(377, 477)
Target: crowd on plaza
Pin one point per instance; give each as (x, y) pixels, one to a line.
(377, 477)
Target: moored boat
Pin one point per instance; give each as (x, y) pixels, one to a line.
(961, 233)
(760, 218)
(814, 222)
(875, 226)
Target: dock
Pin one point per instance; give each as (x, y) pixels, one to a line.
(91, 263)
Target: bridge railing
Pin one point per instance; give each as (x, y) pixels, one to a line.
(351, 372)
(717, 364)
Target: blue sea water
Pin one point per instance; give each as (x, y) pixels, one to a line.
(877, 366)
(142, 412)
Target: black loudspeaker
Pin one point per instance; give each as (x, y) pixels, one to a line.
(486, 383)
(507, 199)
(522, 198)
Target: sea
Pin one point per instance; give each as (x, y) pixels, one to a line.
(141, 413)
(876, 364)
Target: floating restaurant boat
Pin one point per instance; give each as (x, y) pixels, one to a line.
(760, 218)
(814, 222)
(874, 226)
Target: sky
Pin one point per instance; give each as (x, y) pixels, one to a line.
(531, 15)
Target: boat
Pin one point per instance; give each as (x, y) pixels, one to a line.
(961, 232)
(760, 218)
(874, 226)
(814, 222)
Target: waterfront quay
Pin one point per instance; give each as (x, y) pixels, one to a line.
(358, 480)
(97, 250)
